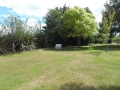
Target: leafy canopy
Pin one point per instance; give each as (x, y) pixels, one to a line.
(76, 21)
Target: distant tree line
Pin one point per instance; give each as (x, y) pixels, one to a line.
(64, 25)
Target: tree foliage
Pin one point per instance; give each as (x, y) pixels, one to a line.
(15, 34)
(51, 30)
(110, 7)
(116, 39)
(76, 22)
(106, 25)
(88, 10)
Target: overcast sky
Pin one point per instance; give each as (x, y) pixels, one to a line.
(36, 9)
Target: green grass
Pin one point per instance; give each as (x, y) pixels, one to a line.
(72, 68)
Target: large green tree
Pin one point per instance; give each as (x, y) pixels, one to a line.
(76, 22)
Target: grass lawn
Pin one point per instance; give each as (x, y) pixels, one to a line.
(72, 68)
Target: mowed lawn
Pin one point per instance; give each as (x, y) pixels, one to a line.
(72, 68)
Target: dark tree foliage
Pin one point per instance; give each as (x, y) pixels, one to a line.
(88, 10)
(51, 30)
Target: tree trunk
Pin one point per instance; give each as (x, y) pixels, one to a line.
(90, 40)
(13, 47)
(22, 47)
(79, 40)
(107, 44)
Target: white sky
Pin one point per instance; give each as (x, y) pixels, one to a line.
(39, 8)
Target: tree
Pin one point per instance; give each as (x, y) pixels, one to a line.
(113, 6)
(16, 34)
(76, 22)
(107, 24)
(53, 20)
(51, 31)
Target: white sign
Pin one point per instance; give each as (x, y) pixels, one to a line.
(58, 46)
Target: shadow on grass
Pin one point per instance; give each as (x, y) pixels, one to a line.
(10, 54)
(68, 48)
(80, 86)
(111, 47)
(95, 53)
